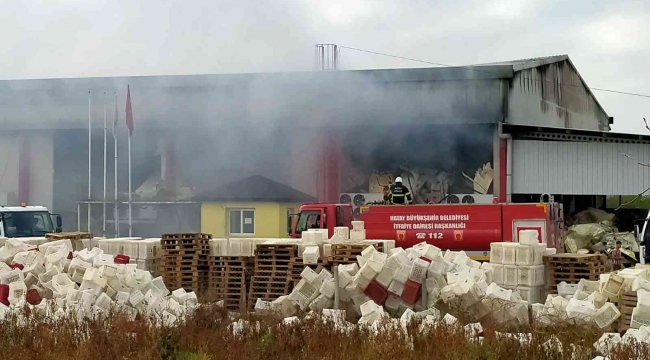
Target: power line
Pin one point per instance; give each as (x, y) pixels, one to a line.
(485, 71)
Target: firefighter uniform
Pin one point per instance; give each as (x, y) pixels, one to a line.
(399, 194)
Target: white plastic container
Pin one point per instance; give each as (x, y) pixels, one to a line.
(531, 294)
(539, 250)
(580, 309)
(310, 255)
(588, 286)
(343, 232)
(531, 275)
(613, 286)
(525, 255)
(510, 275)
(528, 237)
(418, 271)
(495, 291)
(639, 318)
(564, 289)
(509, 253)
(496, 253)
(606, 315)
(358, 225)
(497, 274)
(357, 235)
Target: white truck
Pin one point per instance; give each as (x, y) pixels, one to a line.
(27, 221)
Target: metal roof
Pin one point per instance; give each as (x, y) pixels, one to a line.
(523, 64)
(255, 188)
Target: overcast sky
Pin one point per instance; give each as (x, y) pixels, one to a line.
(606, 40)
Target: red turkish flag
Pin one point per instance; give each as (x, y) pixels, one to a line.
(129, 111)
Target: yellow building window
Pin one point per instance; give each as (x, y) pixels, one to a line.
(241, 221)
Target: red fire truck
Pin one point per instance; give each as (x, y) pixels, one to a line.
(468, 227)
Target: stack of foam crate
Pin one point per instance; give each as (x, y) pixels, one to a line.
(519, 266)
(270, 279)
(184, 262)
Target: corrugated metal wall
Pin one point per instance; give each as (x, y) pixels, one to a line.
(579, 168)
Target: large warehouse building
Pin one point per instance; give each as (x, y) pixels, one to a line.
(511, 130)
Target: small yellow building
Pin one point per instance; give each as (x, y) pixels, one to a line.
(253, 207)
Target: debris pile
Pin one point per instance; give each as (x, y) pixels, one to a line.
(54, 280)
(593, 231)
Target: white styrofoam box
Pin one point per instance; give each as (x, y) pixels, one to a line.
(368, 271)
(588, 286)
(613, 285)
(327, 288)
(402, 275)
(496, 252)
(606, 315)
(218, 247)
(528, 237)
(497, 274)
(305, 290)
(495, 291)
(531, 294)
(17, 291)
(531, 275)
(324, 233)
(435, 281)
(418, 271)
(509, 253)
(309, 274)
(630, 273)
(525, 255)
(643, 299)
(357, 235)
(310, 255)
(342, 231)
(564, 289)
(510, 275)
(386, 275)
(396, 287)
(151, 249)
(640, 317)
(437, 266)
(539, 250)
(358, 225)
(392, 303)
(580, 309)
(311, 237)
(327, 250)
(640, 283)
(550, 251)
(351, 269)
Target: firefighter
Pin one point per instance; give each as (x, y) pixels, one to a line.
(399, 194)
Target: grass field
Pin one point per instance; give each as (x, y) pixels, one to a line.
(206, 335)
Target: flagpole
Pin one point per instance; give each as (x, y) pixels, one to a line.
(130, 219)
(105, 162)
(89, 158)
(115, 210)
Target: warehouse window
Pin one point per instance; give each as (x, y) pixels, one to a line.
(242, 221)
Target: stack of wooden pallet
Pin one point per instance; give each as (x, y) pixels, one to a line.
(184, 262)
(270, 278)
(570, 268)
(297, 266)
(228, 278)
(626, 303)
(75, 237)
(343, 254)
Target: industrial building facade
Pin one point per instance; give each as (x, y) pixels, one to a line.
(452, 131)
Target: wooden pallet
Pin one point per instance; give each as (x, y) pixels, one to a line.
(571, 268)
(186, 236)
(575, 258)
(69, 235)
(176, 252)
(626, 303)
